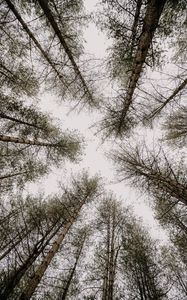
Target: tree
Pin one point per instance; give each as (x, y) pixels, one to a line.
(175, 271)
(66, 282)
(83, 191)
(30, 143)
(80, 241)
(64, 42)
(152, 172)
(143, 275)
(37, 222)
(135, 26)
(172, 217)
(104, 268)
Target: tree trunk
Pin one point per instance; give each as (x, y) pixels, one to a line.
(54, 25)
(4, 116)
(17, 275)
(135, 24)
(112, 259)
(32, 285)
(37, 44)
(17, 140)
(150, 23)
(106, 275)
(66, 289)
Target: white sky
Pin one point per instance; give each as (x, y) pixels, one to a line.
(94, 159)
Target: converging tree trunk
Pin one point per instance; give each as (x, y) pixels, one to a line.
(32, 37)
(54, 25)
(71, 275)
(153, 12)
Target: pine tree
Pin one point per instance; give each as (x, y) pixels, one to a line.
(135, 27)
(83, 191)
(143, 276)
(104, 268)
(61, 24)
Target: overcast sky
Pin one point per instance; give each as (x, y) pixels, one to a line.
(94, 158)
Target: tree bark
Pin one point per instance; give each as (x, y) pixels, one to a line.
(54, 25)
(17, 140)
(16, 276)
(112, 259)
(66, 289)
(4, 116)
(32, 37)
(32, 285)
(150, 23)
(135, 25)
(106, 275)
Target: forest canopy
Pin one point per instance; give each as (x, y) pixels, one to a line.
(93, 164)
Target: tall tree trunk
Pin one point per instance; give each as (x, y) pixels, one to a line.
(138, 282)
(66, 288)
(33, 283)
(135, 25)
(112, 259)
(4, 116)
(150, 23)
(17, 275)
(54, 25)
(106, 275)
(32, 37)
(17, 140)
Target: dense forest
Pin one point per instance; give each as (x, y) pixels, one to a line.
(83, 241)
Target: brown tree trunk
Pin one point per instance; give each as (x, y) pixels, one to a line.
(17, 275)
(135, 25)
(32, 285)
(106, 275)
(150, 23)
(54, 25)
(4, 116)
(66, 288)
(30, 34)
(17, 140)
(112, 258)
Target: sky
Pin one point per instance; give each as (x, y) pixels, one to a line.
(94, 159)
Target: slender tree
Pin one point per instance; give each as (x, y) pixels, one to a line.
(139, 262)
(86, 190)
(62, 17)
(141, 24)
(102, 280)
